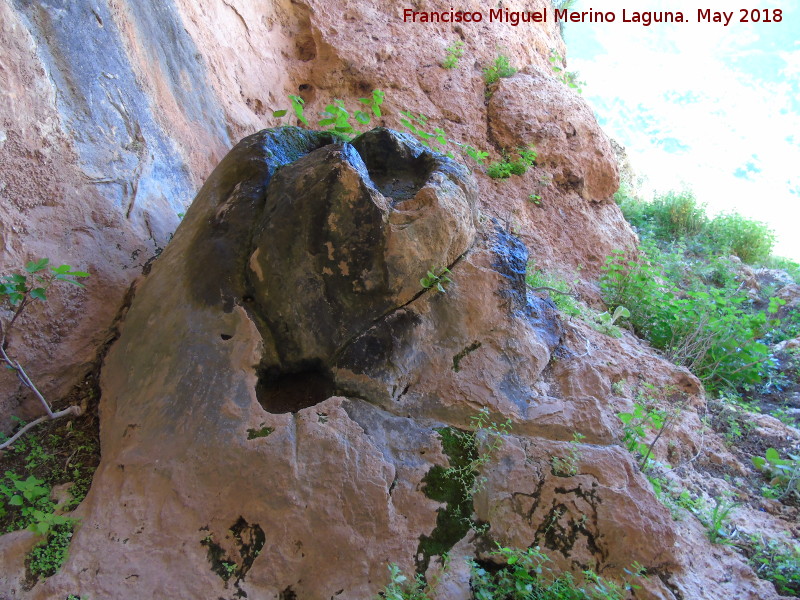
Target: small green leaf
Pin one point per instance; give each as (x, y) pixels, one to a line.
(72, 281)
(279, 113)
(34, 266)
(40, 527)
(39, 294)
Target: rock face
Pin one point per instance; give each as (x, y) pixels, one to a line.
(281, 406)
(116, 111)
(535, 109)
(280, 409)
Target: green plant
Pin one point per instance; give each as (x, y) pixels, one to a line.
(454, 486)
(499, 170)
(568, 304)
(401, 588)
(777, 562)
(604, 322)
(228, 569)
(752, 241)
(674, 497)
(783, 415)
(454, 52)
(526, 575)
(336, 118)
(569, 78)
(505, 168)
(501, 67)
(636, 424)
(298, 107)
(437, 139)
(18, 290)
(484, 439)
(559, 290)
(47, 557)
(29, 499)
(436, 278)
(716, 521)
(536, 199)
(568, 466)
(709, 330)
(260, 432)
(678, 217)
(26, 503)
(784, 473)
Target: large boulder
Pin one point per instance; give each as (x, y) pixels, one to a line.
(281, 408)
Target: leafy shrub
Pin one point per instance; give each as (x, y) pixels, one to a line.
(678, 217)
(778, 563)
(667, 217)
(710, 331)
(501, 67)
(526, 575)
(18, 290)
(750, 240)
(636, 424)
(784, 473)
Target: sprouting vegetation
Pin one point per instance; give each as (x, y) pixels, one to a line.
(509, 166)
(436, 279)
(501, 67)
(453, 52)
(568, 78)
(336, 117)
(569, 304)
(520, 575)
(17, 292)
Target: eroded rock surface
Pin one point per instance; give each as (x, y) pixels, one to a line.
(115, 113)
(279, 410)
(533, 109)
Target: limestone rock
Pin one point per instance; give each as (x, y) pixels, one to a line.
(242, 455)
(534, 109)
(347, 234)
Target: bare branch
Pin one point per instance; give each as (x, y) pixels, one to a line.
(72, 410)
